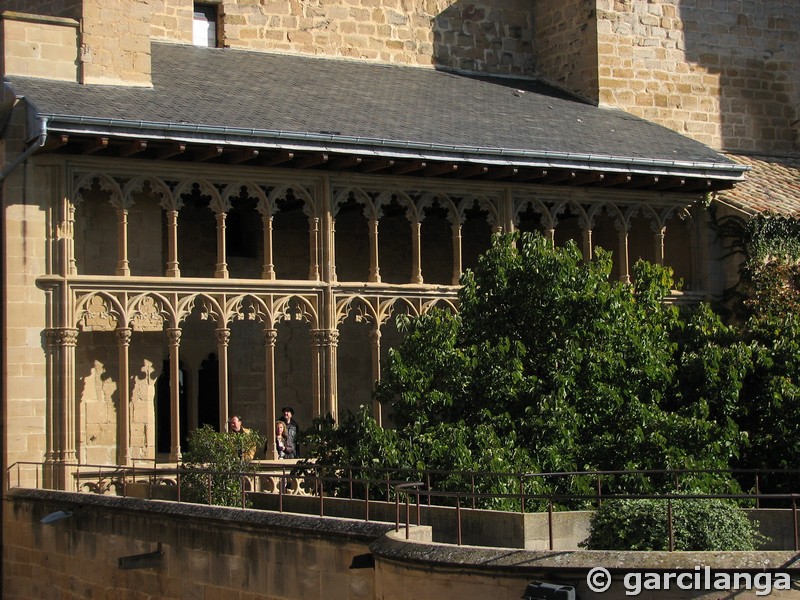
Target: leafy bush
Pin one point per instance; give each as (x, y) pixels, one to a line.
(213, 465)
(698, 524)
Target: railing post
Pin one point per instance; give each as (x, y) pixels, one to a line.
(366, 501)
(321, 489)
(521, 494)
(472, 478)
(599, 490)
(758, 492)
(428, 485)
(396, 511)
(209, 488)
(418, 511)
(408, 518)
(669, 525)
(794, 519)
(550, 522)
(350, 478)
(458, 518)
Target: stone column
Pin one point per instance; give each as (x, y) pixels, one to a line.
(222, 264)
(375, 342)
(223, 338)
(313, 227)
(123, 395)
(659, 242)
(416, 258)
(173, 269)
(123, 266)
(457, 262)
(268, 271)
(374, 267)
(270, 337)
(587, 244)
(332, 343)
(62, 407)
(69, 239)
(317, 365)
(550, 232)
(174, 338)
(624, 258)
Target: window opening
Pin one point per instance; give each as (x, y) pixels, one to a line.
(204, 31)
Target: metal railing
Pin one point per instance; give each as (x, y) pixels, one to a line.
(406, 487)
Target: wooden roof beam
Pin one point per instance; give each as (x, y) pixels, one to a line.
(409, 167)
(345, 162)
(100, 143)
(242, 156)
(133, 148)
(670, 183)
(702, 185)
(278, 158)
(501, 173)
(440, 169)
(643, 181)
(373, 166)
(56, 141)
(618, 179)
(465, 171)
(312, 160)
(588, 177)
(171, 150)
(530, 174)
(211, 153)
(560, 177)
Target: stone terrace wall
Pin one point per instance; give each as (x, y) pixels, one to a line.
(208, 552)
(723, 72)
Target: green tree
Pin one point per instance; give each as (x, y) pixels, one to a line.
(215, 464)
(549, 366)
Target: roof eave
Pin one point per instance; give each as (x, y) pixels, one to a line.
(384, 148)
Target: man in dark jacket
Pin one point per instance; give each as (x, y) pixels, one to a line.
(292, 431)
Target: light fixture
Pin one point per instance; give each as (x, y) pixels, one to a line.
(56, 516)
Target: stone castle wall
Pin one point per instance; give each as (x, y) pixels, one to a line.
(722, 72)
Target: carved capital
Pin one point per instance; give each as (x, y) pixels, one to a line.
(223, 336)
(61, 336)
(270, 336)
(174, 336)
(124, 336)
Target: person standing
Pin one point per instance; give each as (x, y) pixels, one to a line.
(236, 426)
(292, 432)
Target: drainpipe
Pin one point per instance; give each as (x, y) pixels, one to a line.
(36, 145)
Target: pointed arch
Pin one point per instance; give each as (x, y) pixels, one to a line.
(371, 213)
(427, 201)
(104, 182)
(295, 308)
(385, 198)
(150, 311)
(98, 311)
(209, 308)
(206, 188)
(365, 311)
(159, 187)
(237, 309)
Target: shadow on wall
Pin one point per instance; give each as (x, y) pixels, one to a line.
(755, 51)
(478, 37)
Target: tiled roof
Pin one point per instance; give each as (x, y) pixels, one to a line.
(287, 100)
(771, 185)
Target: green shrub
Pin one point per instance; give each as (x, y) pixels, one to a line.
(213, 465)
(698, 524)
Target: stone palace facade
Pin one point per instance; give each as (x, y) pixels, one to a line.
(217, 208)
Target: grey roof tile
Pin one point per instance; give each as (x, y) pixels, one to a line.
(390, 106)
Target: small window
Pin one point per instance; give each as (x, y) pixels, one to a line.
(205, 25)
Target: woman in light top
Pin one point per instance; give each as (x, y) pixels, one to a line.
(281, 440)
